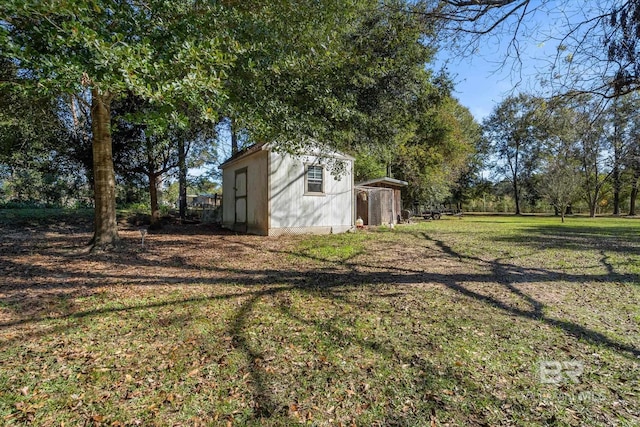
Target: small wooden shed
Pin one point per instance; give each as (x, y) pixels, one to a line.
(270, 193)
(378, 201)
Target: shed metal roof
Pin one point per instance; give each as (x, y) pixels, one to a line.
(243, 153)
(265, 146)
(389, 182)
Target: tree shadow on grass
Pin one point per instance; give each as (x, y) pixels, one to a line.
(504, 273)
(345, 274)
(333, 280)
(264, 403)
(611, 238)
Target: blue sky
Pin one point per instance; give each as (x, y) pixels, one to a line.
(490, 73)
(483, 80)
(479, 85)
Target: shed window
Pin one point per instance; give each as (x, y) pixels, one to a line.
(314, 179)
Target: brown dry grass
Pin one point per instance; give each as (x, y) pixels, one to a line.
(441, 323)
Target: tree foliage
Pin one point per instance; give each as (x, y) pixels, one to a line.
(150, 154)
(267, 63)
(349, 75)
(560, 182)
(514, 134)
(439, 152)
(353, 83)
(167, 53)
(596, 42)
(36, 167)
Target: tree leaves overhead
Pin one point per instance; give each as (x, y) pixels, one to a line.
(31, 129)
(282, 69)
(349, 74)
(514, 131)
(279, 68)
(439, 152)
(621, 41)
(147, 47)
(348, 82)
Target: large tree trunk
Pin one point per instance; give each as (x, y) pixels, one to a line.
(153, 195)
(516, 195)
(104, 186)
(632, 202)
(615, 173)
(234, 137)
(617, 183)
(182, 180)
(634, 196)
(593, 204)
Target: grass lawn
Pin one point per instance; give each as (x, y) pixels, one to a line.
(462, 322)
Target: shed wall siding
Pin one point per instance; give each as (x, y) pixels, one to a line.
(257, 193)
(293, 210)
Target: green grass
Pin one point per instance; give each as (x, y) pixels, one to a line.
(43, 216)
(438, 323)
(341, 247)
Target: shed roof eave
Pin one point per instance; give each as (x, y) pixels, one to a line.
(247, 152)
(391, 182)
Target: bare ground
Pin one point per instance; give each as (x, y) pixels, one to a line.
(441, 330)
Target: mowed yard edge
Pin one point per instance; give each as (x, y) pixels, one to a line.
(472, 321)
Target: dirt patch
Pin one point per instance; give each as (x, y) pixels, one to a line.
(201, 326)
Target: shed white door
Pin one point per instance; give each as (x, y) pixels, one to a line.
(241, 196)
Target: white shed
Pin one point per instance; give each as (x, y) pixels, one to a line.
(269, 193)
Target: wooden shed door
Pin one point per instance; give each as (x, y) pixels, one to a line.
(241, 198)
(380, 206)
